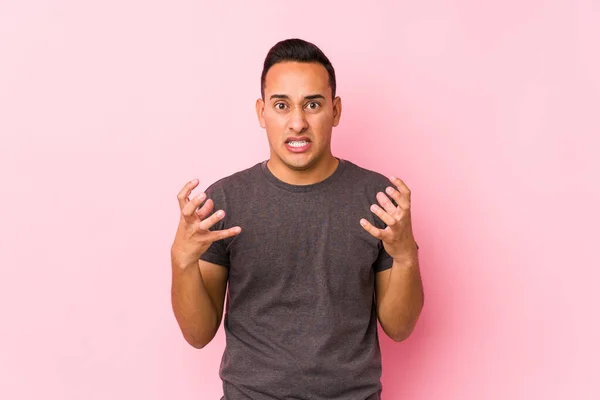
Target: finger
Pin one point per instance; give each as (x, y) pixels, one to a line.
(403, 202)
(206, 209)
(402, 188)
(213, 219)
(375, 232)
(188, 211)
(184, 193)
(387, 205)
(383, 215)
(225, 233)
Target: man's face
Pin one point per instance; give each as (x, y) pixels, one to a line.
(298, 114)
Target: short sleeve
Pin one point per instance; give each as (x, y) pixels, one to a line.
(217, 252)
(384, 260)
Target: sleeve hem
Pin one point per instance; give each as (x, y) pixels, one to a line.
(214, 260)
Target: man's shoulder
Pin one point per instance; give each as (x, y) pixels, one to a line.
(363, 176)
(237, 180)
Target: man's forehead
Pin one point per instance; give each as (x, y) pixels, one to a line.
(296, 78)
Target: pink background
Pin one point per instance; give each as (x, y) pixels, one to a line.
(489, 111)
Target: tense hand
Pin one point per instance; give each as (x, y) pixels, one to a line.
(397, 237)
(193, 236)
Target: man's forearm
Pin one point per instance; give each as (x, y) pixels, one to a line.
(194, 310)
(401, 300)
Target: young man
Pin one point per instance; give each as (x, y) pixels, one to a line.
(313, 251)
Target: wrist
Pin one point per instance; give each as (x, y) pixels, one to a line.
(407, 261)
(180, 261)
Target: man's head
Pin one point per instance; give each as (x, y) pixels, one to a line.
(298, 107)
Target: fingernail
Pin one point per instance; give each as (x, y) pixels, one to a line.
(392, 177)
(389, 190)
(220, 214)
(363, 222)
(373, 207)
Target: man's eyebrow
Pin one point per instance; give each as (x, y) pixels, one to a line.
(309, 97)
(279, 96)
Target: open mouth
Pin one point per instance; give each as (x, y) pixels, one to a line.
(297, 145)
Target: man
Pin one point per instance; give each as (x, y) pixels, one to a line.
(312, 249)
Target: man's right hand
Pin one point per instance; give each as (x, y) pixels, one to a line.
(193, 236)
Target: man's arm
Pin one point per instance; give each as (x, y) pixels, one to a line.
(399, 295)
(197, 297)
(198, 287)
(398, 290)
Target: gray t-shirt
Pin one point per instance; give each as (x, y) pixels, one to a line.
(300, 318)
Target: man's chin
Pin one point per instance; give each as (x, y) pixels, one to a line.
(300, 166)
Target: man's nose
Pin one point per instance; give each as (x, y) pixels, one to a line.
(298, 122)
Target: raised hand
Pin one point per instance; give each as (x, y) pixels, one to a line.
(397, 237)
(193, 236)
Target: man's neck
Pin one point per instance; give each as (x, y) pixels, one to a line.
(315, 174)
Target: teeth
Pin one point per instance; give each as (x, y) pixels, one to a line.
(297, 143)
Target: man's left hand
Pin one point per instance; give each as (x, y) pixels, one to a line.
(397, 237)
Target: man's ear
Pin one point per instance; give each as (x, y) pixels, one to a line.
(337, 110)
(260, 110)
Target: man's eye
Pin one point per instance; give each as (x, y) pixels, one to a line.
(280, 106)
(313, 105)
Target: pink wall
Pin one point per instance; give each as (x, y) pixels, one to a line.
(488, 110)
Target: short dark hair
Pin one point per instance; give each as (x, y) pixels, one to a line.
(296, 50)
